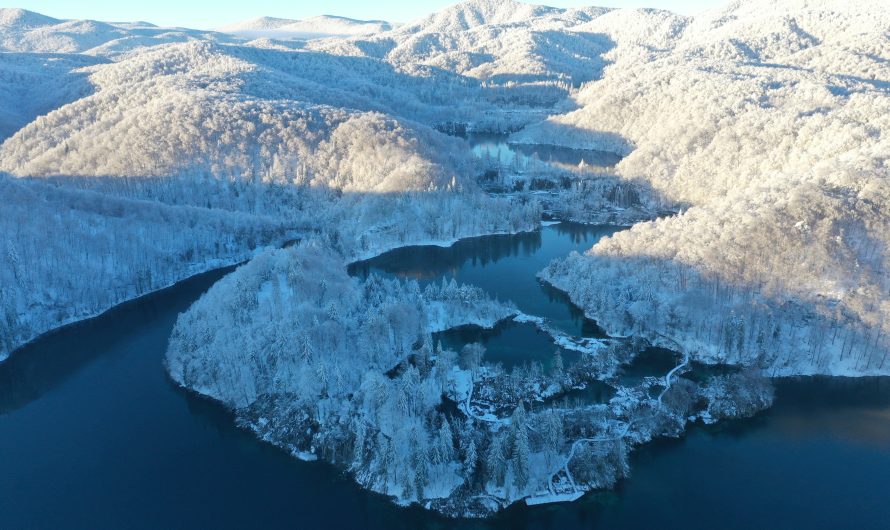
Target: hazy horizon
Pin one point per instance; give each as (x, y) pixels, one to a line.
(205, 15)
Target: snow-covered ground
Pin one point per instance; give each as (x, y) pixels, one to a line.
(134, 155)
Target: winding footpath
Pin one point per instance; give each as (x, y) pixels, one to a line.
(668, 381)
(468, 407)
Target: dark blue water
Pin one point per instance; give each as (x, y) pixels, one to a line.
(93, 435)
(509, 344)
(504, 265)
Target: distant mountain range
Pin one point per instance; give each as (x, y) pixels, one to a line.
(311, 28)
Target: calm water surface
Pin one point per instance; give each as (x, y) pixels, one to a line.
(504, 265)
(93, 435)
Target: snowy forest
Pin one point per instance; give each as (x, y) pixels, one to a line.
(329, 366)
(742, 152)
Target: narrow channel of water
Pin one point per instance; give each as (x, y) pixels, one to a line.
(504, 265)
(94, 435)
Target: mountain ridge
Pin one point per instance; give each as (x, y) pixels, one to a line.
(320, 26)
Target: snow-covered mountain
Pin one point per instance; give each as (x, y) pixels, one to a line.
(765, 120)
(763, 124)
(29, 32)
(464, 16)
(250, 130)
(499, 40)
(322, 26)
(257, 24)
(22, 18)
(751, 101)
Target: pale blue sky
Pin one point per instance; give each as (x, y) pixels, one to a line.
(211, 14)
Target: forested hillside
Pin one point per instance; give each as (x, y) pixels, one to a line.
(768, 120)
(248, 130)
(748, 144)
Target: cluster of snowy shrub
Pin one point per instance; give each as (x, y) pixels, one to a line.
(331, 366)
